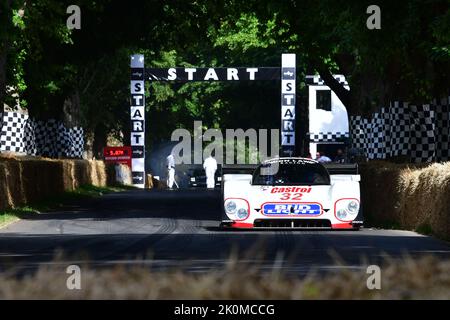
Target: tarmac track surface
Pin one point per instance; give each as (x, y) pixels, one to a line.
(171, 229)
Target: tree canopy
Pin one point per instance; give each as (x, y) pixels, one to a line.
(82, 76)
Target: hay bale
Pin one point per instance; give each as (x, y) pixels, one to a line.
(30, 179)
(5, 193)
(149, 181)
(123, 175)
(14, 181)
(159, 184)
(425, 199)
(96, 173)
(81, 173)
(69, 175)
(41, 178)
(379, 192)
(407, 196)
(110, 174)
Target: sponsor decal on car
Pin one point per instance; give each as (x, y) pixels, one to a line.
(310, 209)
(290, 189)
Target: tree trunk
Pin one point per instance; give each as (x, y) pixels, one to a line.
(343, 94)
(5, 22)
(100, 139)
(71, 110)
(2, 79)
(88, 145)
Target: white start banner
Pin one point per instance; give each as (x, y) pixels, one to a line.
(288, 97)
(140, 74)
(137, 117)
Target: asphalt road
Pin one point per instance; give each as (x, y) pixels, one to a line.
(165, 229)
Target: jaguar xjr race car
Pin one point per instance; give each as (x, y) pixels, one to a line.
(292, 193)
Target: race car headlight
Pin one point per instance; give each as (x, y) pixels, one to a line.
(341, 214)
(242, 213)
(353, 207)
(346, 209)
(230, 207)
(237, 209)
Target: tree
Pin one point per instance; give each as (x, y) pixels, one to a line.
(407, 59)
(81, 76)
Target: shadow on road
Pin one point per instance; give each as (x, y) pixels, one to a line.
(171, 228)
(185, 203)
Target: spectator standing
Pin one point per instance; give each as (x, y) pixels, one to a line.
(170, 162)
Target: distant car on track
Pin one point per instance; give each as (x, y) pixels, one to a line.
(292, 193)
(197, 178)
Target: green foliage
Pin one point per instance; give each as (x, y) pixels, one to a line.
(248, 32)
(47, 64)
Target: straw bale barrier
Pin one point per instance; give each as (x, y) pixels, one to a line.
(413, 197)
(28, 179)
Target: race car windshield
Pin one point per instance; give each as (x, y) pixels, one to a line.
(291, 173)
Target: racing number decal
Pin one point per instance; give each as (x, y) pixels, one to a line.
(291, 196)
(285, 196)
(297, 196)
(291, 193)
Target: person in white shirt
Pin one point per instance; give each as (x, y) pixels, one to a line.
(322, 158)
(210, 166)
(170, 162)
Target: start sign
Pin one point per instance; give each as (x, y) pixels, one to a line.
(139, 74)
(118, 155)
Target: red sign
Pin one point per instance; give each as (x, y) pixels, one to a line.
(118, 155)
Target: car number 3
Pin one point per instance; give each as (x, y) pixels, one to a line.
(291, 196)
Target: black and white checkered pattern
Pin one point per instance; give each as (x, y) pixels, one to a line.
(422, 141)
(12, 132)
(442, 132)
(21, 134)
(77, 134)
(376, 147)
(359, 128)
(317, 80)
(328, 136)
(420, 132)
(386, 132)
(369, 135)
(399, 120)
(29, 138)
(49, 130)
(63, 141)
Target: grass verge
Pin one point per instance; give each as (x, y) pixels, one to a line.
(51, 203)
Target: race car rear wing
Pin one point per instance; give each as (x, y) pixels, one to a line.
(341, 168)
(333, 168)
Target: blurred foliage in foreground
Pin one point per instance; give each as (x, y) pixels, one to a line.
(419, 278)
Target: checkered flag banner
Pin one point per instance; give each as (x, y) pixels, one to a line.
(29, 138)
(376, 136)
(442, 132)
(317, 80)
(359, 133)
(21, 134)
(399, 120)
(422, 141)
(420, 132)
(12, 132)
(369, 135)
(76, 134)
(328, 136)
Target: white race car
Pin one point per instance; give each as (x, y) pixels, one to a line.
(292, 193)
